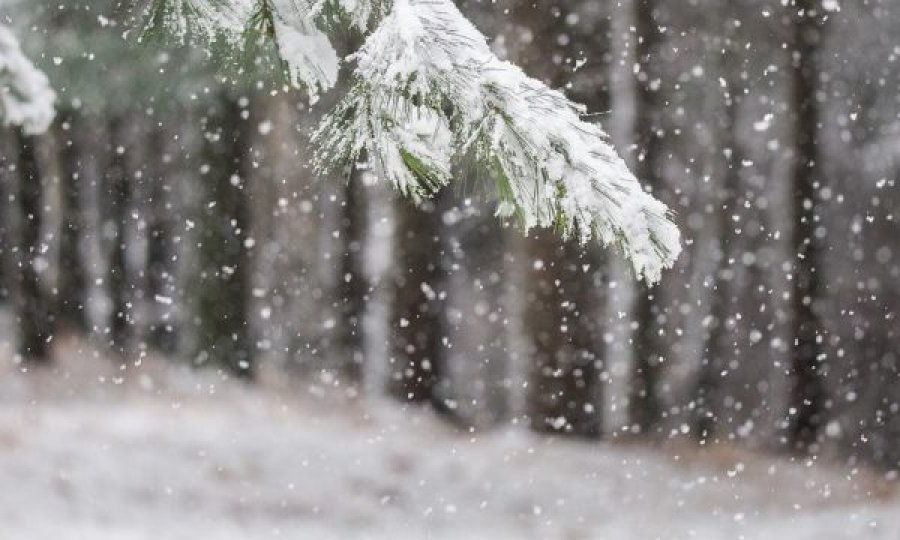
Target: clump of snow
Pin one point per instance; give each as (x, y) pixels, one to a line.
(831, 5)
(312, 61)
(26, 98)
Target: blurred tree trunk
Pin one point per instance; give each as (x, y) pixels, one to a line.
(564, 297)
(223, 293)
(118, 192)
(808, 392)
(645, 409)
(476, 323)
(8, 198)
(417, 360)
(565, 385)
(353, 287)
(719, 341)
(159, 263)
(32, 307)
(71, 295)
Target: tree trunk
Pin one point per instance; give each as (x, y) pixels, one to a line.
(353, 287)
(33, 314)
(808, 393)
(223, 295)
(72, 284)
(416, 361)
(118, 192)
(645, 408)
(719, 346)
(564, 294)
(160, 268)
(565, 384)
(8, 198)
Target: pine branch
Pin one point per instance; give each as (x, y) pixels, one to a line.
(427, 92)
(293, 26)
(426, 85)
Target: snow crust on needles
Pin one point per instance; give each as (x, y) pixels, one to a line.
(428, 90)
(26, 98)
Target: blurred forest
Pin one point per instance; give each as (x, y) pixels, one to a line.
(171, 209)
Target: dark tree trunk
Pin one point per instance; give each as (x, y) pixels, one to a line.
(223, 296)
(645, 408)
(353, 288)
(159, 272)
(72, 284)
(33, 314)
(8, 245)
(720, 344)
(118, 193)
(564, 298)
(808, 393)
(560, 317)
(416, 368)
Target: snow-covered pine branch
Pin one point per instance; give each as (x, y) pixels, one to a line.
(428, 92)
(427, 89)
(26, 99)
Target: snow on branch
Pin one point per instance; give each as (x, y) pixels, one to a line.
(428, 91)
(26, 99)
(200, 20)
(311, 60)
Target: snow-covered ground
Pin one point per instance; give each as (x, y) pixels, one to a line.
(153, 452)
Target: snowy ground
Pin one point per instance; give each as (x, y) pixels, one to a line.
(160, 453)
